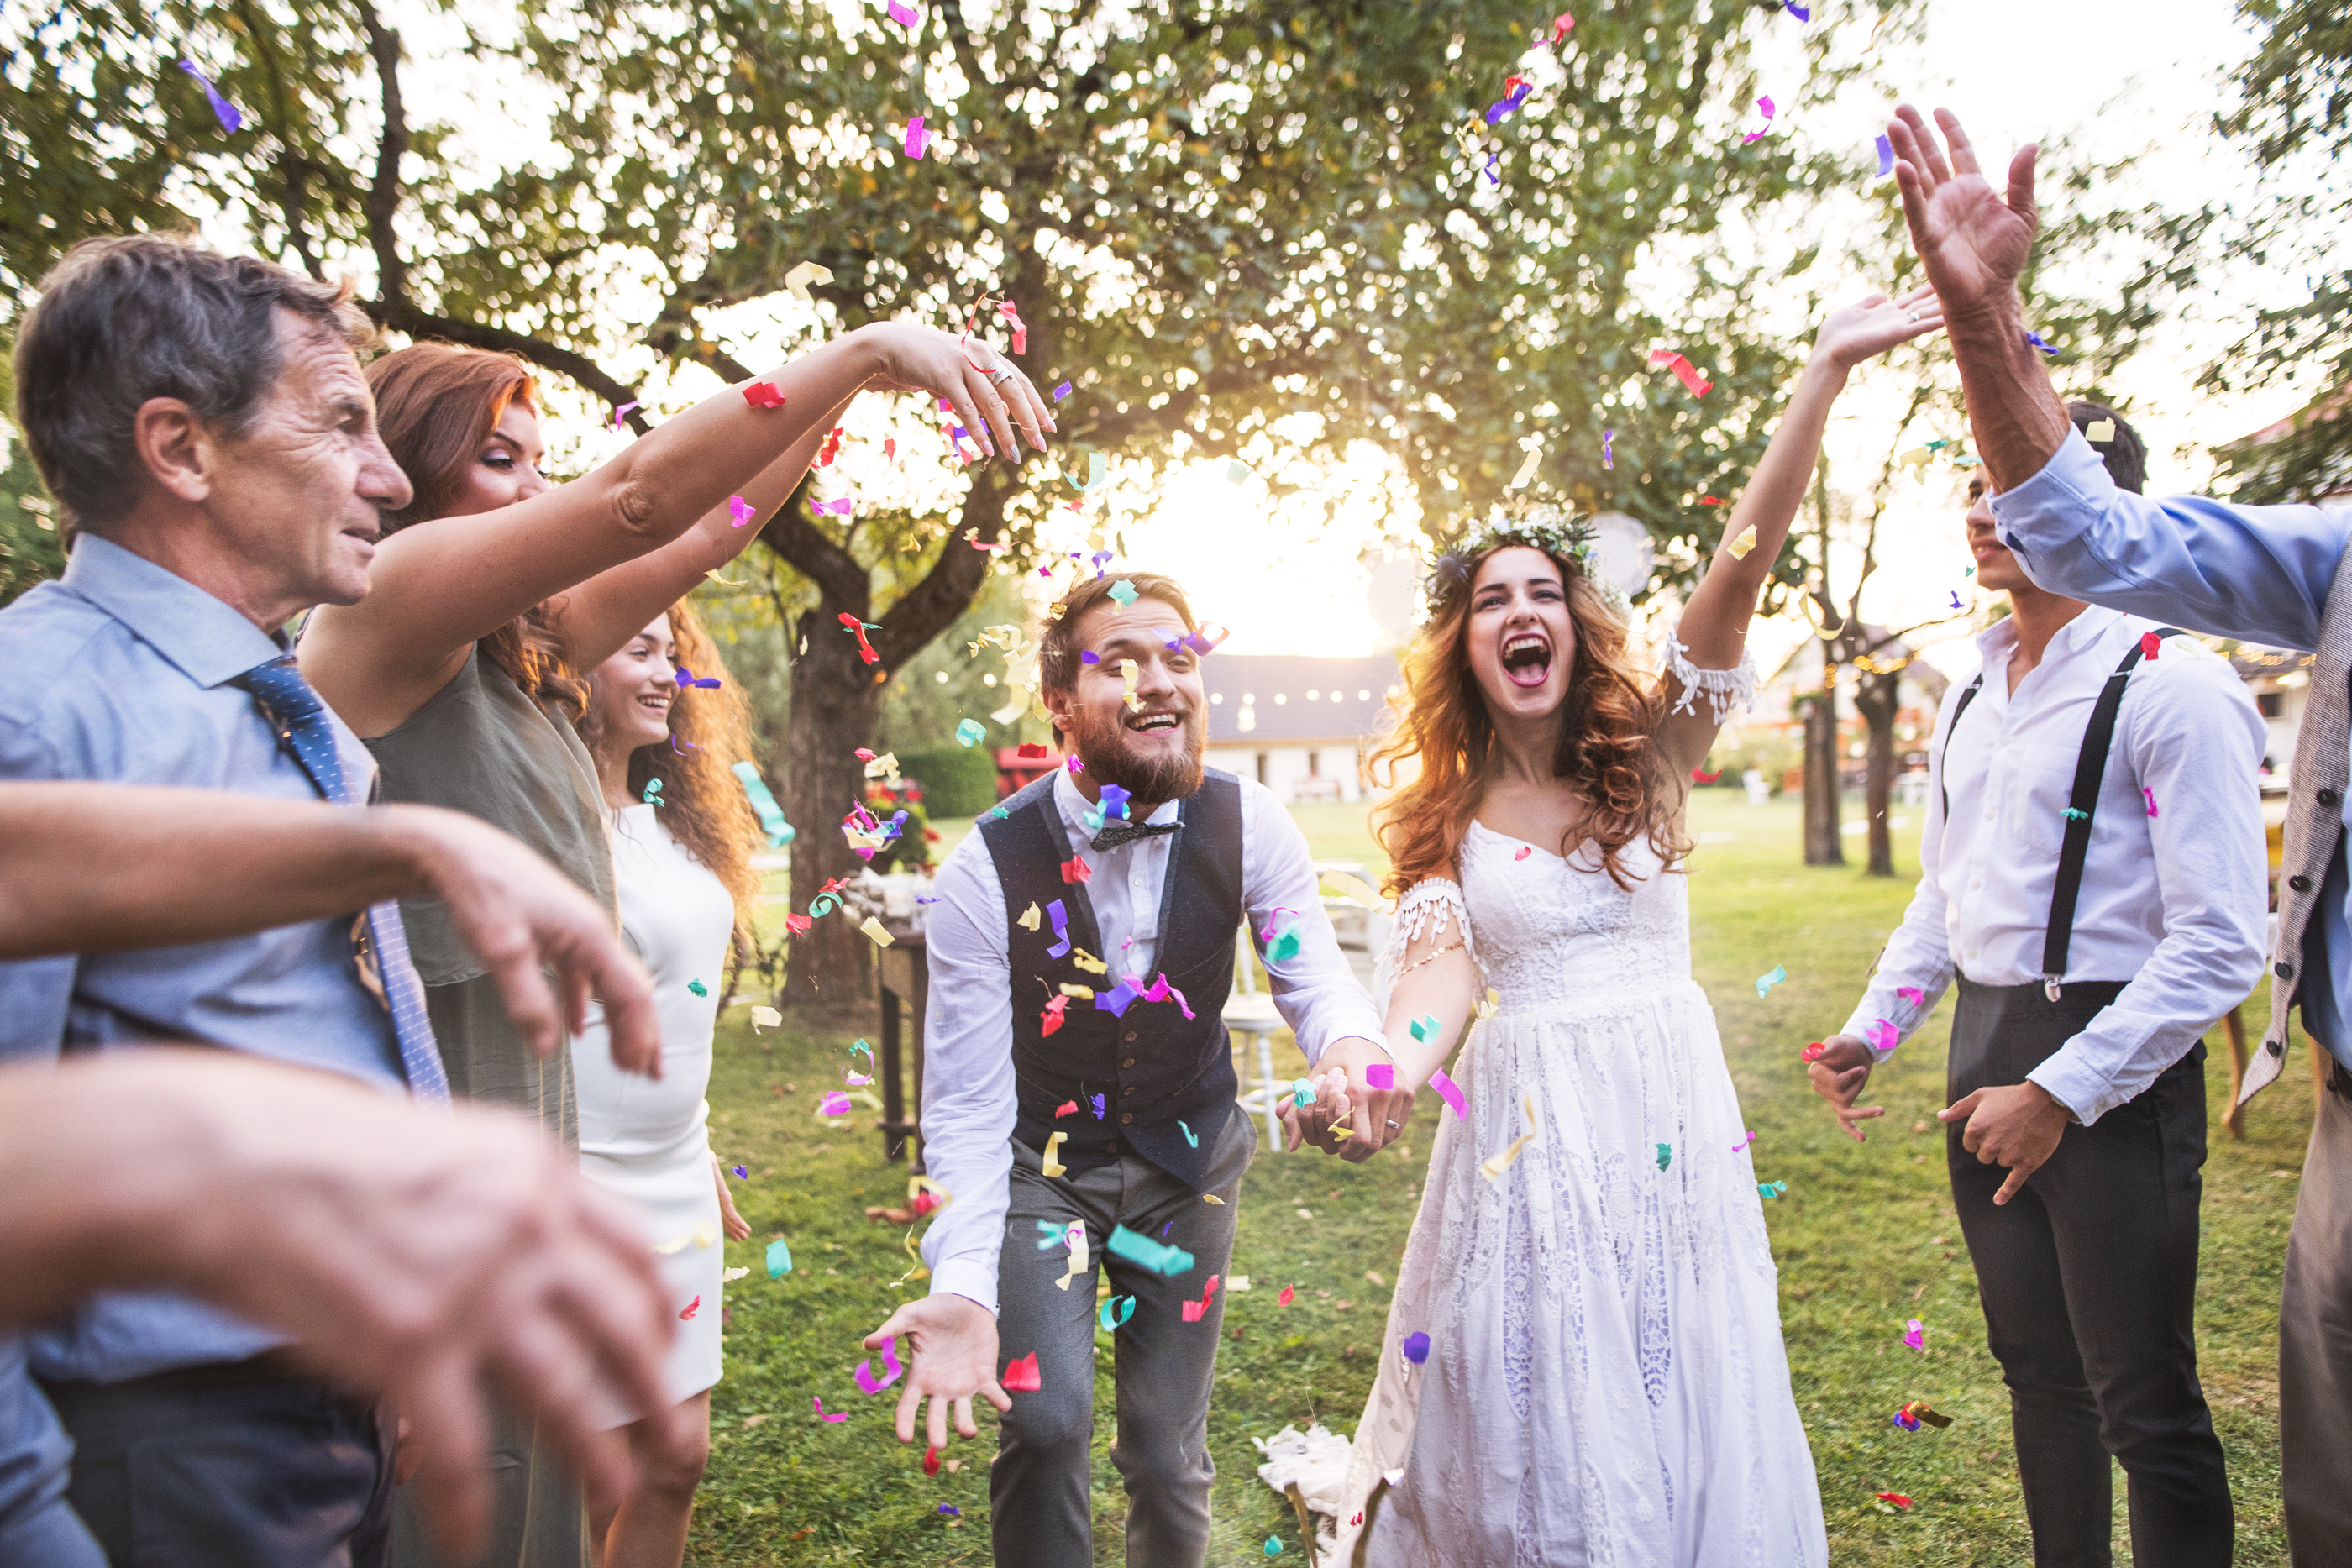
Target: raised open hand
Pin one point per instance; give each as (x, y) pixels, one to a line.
(1975, 244)
(1854, 333)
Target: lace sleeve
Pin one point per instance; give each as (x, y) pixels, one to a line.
(1725, 689)
(1427, 909)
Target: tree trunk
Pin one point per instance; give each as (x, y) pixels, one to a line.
(1876, 696)
(835, 702)
(1824, 845)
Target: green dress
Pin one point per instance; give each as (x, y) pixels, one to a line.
(480, 745)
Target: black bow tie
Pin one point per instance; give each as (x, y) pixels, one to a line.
(1117, 833)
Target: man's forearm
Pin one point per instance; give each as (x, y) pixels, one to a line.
(2014, 410)
(101, 868)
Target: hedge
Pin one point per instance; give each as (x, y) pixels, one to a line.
(957, 780)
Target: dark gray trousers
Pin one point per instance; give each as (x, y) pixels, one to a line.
(2315, 1343)
(1040, 1489)
(2089, 1275)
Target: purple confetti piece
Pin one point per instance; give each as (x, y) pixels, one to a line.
(742, 1172)
(842, 507)
(917, 139)
(1886, 157)
(230, 119)
(905, 15)
(1416, 1348)
(1801, 12)
(2035, 339)
(1451, 1092)
(1608, 460)
(951, 1509)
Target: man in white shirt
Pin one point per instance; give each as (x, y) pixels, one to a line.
(1078, 1087)
(2097, 920)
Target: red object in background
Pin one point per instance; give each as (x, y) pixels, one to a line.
(2149, 644)
(1287, 1292)
(1897, 1498)
(1698, 778)
(1030, 752)
(1018, 766)
(1021, 1376)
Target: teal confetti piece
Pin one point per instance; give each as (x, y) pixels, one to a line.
(697, 987)
(1764, 983)
(1126, 1311)
(779, 1259)
(1665, 1155)
(971, 732)
(1302, 1092)
(1237, 473)
(1124, 591)
(1282, 947)
(763, 806)
(1191, 1136)
(1144, 1252)
(1771, 1189)
(1424, 1029)
(1274, 1546)
(653, 793)
(2074, 816)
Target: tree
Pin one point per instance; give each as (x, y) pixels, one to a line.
(2294, 116)
(1243, 230)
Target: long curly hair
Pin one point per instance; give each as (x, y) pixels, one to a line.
(704, 805)
(1443, 739)
(435, 404)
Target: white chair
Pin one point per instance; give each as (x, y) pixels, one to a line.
(1251, 1012)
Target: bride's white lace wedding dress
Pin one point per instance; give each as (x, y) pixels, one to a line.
(1605, 1382)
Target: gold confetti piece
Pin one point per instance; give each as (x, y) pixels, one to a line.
(1916, 460)
(1528, 469)
(702, 1234)
(765, 1018)
(1128, 671)
(883, 766)
(1238, 1282)
(1744, 543)
(1084, 993)
(1358, 889)
(1496, 1165)
(1078, 1255)
(1030, 918)
(1055, 1168)
(1088, 962)
(731, 1275)
(1339, 1133)
(2100, 430)
(1212, 1197)
(1490, 1006)
(798, 280)
(872, 928)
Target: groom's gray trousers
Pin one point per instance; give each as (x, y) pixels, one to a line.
(1040, 1489)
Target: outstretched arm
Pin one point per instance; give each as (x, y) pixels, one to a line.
(1714, 630)
(99, 868)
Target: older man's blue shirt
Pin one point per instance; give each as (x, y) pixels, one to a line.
(2260, 573)
(119, 671)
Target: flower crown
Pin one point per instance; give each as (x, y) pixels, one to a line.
(1564, 536)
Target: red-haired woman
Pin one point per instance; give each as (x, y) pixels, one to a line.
(1602, 1377)
(682, 837)
(488, 593)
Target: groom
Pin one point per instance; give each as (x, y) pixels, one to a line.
(1077, 1082)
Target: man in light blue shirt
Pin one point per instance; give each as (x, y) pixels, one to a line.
(203, 421)
(2263, 573)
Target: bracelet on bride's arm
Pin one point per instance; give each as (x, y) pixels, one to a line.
(1428, 958)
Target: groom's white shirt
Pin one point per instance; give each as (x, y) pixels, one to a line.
(968, 1099)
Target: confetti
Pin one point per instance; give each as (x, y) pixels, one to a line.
(1487, 1006)
(916, 138)
(1883, 1035)
(652, 796)
(1886, 158)
(1289, 1293)
(1496, 1165)
(685, 1313)
(1956, 601)
(805, 273)
(1895, 1498)
(1144, 1252)
(820, 1410)
(224, 111)
(1021, 1376)
(1912, 994)
(1766, 105)
(1075, 871)
(1915, 1334)
(931, 1461)
(2150, 645)
(1665, 1155)
(1525, 850)
(1189, 1136)
(779, 1259)
(742, 1172)
(1744, 543)
(1684, 369)
(1416, 1347)
(1061, 391)
(1357, 889)
(858, 629)
(1078, 1255)
(764, 394)
(1011, 314)
(765, 1018)
(840, 506)
(1770, 1188)
(1274, 1546)
(903, 14)
(1813, 1052)
(686, 678)
(1124, 1313)
(2151, 796)
(1052, 1165)
(2073, 814)
(1302, 1092)
(1801, 12)
(1607, 460)
(1916, 1411)
(741, 510)
(2035, 339)
(2100, 432)
(697, 987)
(731, 1275)
(1451, 1092)
(971, 732)
(621, 413)
(1124, 591)
(1765, 982)
(949, 1509)
(1193, 1311)
(835, 1103)
(1527, 466)
(1425, 1027)
(1380, 1075)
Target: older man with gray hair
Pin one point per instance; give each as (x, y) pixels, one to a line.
(203, 422)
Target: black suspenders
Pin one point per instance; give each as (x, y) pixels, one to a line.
(2090, 771)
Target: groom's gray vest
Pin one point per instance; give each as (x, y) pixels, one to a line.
(1153, 1067)
(2314, 823)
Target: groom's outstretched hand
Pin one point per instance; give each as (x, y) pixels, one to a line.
(1839, 1073)
(953, 1340)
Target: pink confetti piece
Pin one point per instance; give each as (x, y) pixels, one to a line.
(1915, 1334)
(622, 412)
(1912, 994)
(764, 394)
(1451, 1092)
(1882, 1034)
(1684, 369)
(692, 1307)
(1766, 105)
(1021, 1376)
(1195, 1311)
(865, 1378)
(741, 510)
(1380, 1075)
(905, 15)
(841, 508)
(2150, 794)
(1525, 850)
(1289, 1295)
(1011, 314)
(1744, 1142)
(822, 1415)
(835, 1103)
(916, 137)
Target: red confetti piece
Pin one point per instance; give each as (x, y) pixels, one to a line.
(1525, 850)
(1031, 751)
(1682, 367)
(764, 394)
(864, 649)
(1020, 328)
(2148, 645)
(1021, 1376)
(1897, 1498)
(1050, 1020)
(1289, 1293)
(692, 1307)
(1699, 778)
(1812, 1052)
(1075, 870)
(931, 1461)
(797, 924)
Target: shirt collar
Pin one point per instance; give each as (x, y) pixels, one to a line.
(1074, 805)
(210, 642)
(1997, 642)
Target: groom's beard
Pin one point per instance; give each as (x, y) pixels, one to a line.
(1108, 749)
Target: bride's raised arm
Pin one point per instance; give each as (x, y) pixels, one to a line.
(1712, 639)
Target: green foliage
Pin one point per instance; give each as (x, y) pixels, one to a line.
(957, 677)
(957, 780)
(30, 549)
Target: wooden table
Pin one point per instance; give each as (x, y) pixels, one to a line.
(904, 978)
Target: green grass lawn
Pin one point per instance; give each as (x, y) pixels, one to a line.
(1865, 1238)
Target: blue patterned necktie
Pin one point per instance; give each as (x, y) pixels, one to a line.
(297, 715)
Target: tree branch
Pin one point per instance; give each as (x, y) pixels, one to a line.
(383, 193)
(802, 545)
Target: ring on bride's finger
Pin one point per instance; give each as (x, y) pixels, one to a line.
(1392, 1123)
(1001, 373)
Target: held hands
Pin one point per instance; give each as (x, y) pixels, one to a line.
(951, 1355)
(924, 360)
(1858, 332)
(2017, 1125)
(1373, 1118)
(1975, 245)
(738, 1228)
(1838, 1075)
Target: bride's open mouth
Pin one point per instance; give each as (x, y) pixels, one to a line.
(1527, 658)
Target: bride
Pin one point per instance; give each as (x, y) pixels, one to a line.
(1601, 1379)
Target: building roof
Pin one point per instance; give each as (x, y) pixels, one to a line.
(1278, 699)
(2251, 663)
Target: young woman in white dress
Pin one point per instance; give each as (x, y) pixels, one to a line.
(1604, 1380)
(682, 839)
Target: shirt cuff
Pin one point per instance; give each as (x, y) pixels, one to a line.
(2081, 1091)
(1863, 1027)
(2053, 500)
(967, 1277)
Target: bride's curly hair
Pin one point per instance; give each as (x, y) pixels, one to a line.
(1608, 749)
